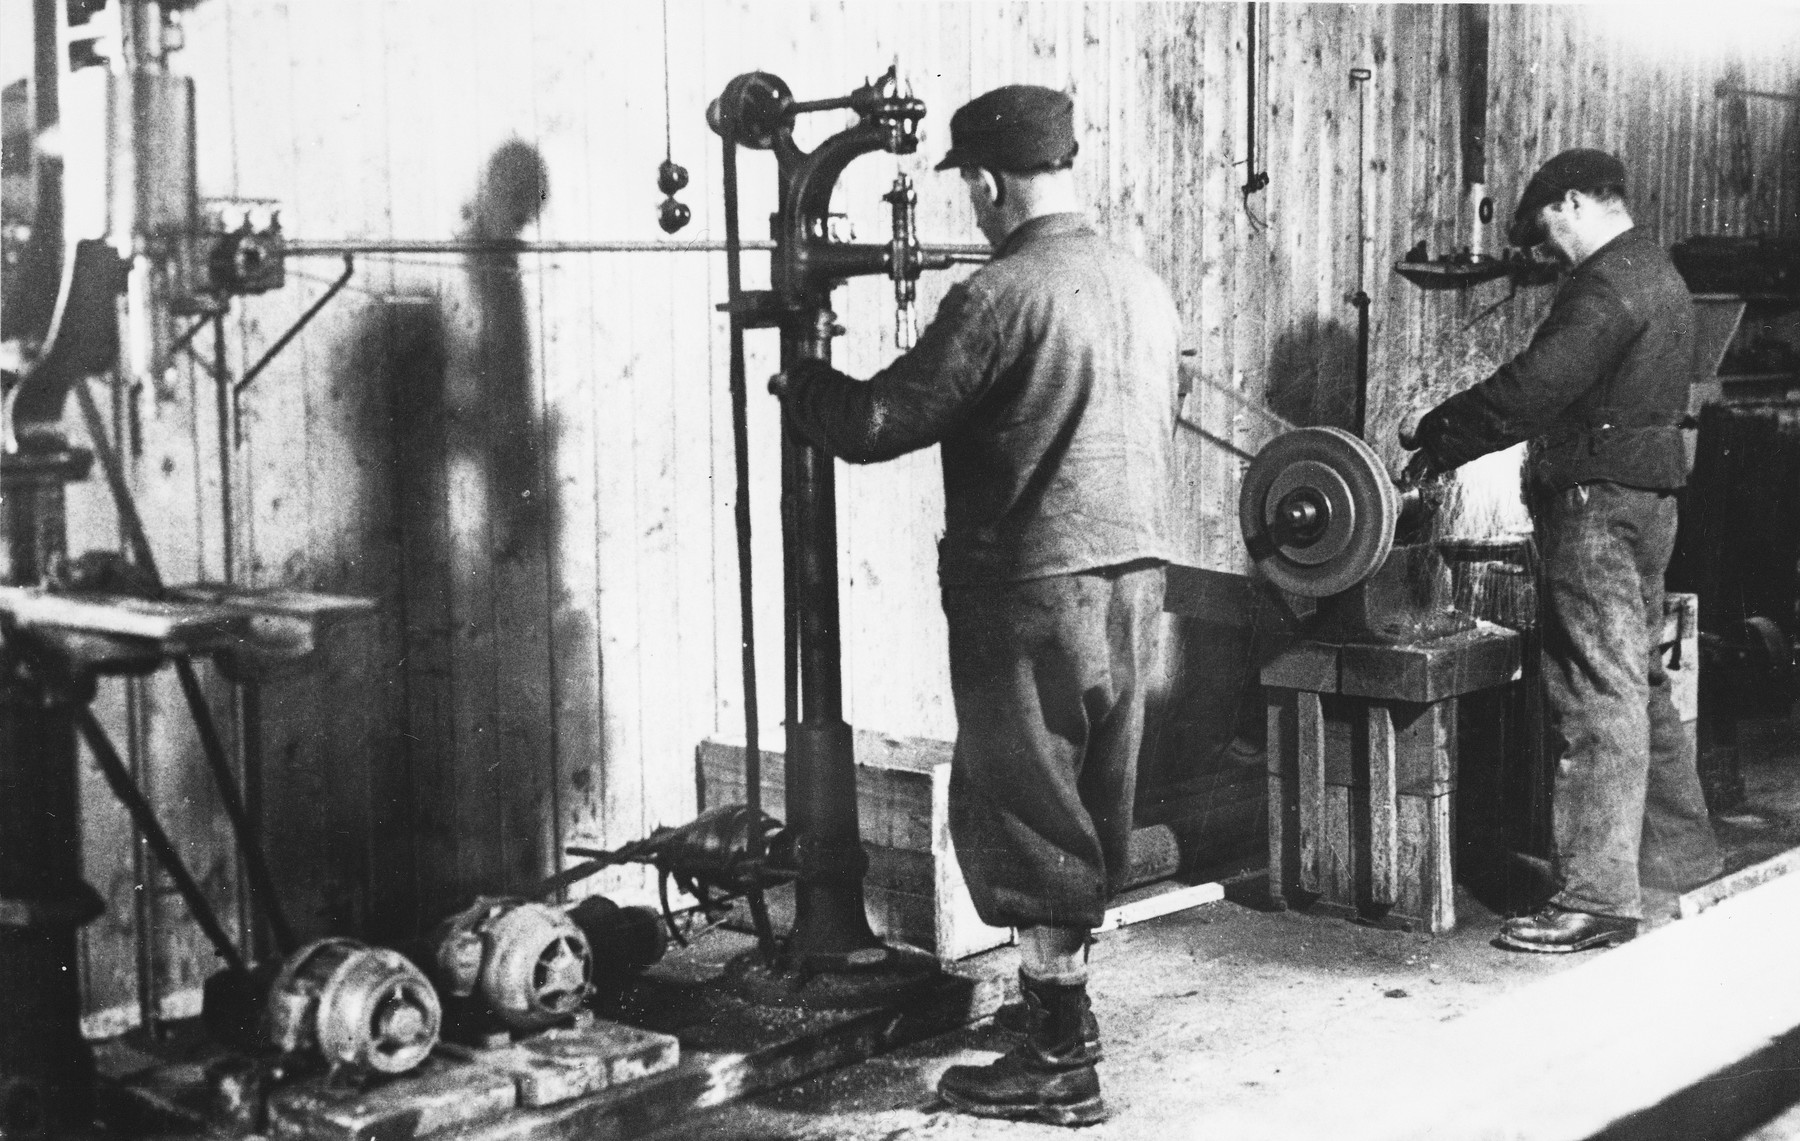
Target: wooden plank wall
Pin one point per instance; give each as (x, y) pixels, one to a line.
(526, 459)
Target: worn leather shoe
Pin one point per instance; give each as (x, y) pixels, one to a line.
(1556, 930)
(1048, 1077)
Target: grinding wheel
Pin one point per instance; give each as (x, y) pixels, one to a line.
(1318, 511)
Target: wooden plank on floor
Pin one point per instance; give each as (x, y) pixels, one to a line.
(1718, 891)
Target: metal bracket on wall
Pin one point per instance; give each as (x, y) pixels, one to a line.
(216, 367)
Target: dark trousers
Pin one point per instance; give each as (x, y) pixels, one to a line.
(1626, 800)
(1048, 678)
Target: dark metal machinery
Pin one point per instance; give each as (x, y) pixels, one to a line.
(757, 111)
(45, 1066)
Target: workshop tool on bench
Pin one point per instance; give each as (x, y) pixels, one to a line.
(715, 858)
(1362, 709)
(1323, 519)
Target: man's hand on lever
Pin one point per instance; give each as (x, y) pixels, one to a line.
(1424, 464)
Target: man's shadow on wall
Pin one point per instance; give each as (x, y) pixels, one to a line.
(462, 395)
(503, 405)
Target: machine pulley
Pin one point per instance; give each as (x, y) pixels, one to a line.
(1318, 511)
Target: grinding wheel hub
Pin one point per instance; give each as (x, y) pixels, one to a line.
(1318, 511)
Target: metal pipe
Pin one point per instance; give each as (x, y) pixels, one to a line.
(1722, 91)
(262, 362)
(133, 799)
(262, 884)
(960, 254)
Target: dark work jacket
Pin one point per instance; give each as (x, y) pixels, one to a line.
(1050, 379)
(1601, 387)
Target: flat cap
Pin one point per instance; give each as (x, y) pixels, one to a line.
(1016, 128)
(1579, 169)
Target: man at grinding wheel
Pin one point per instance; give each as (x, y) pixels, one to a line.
(1049, 378)
(1598, 392)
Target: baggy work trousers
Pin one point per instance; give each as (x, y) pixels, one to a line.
(1626, 801)
(1048, 678)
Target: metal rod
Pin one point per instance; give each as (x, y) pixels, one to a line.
(967, 254)
(126, 789)
(1359, 80)
(1721, 91)
(262, 362)
(1254, 180)
(188, 334)
(227, 522)
(261, 882)
(740, 434)
(740, 438)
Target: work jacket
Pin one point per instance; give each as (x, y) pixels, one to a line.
(1602, 386)
(1050, 379)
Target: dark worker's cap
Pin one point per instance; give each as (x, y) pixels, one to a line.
(1016, 128)
(1580, 169)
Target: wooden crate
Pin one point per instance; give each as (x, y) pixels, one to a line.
(914, 888)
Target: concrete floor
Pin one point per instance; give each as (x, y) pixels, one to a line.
(1209, 1014)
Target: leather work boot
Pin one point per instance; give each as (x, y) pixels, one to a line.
(1015, 1019)
(1557, 930)
(1050, 1076)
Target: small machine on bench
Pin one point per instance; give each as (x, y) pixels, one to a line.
(1362, 710)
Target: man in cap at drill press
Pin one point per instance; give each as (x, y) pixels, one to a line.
(1599, 392)
(1049, 378)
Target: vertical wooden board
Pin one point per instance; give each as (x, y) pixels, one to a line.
(660, 405)
(1310, 745)
(1339, 857)
(699, 467)
(1384, 835)
(567, 356)
(109, 945)
(1426, 740)
(1427, 890)
(159, 454)
(349, 500)
(1284, 839)
(279, 431)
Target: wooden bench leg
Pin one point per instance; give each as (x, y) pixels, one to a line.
(1384, 809)
(1310, 747)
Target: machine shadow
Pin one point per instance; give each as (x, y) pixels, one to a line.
(1312, 374)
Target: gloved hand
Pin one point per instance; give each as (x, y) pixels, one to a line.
(1423, 465)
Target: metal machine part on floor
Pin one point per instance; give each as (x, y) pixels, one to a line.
(335, 1002)
(509, 965)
